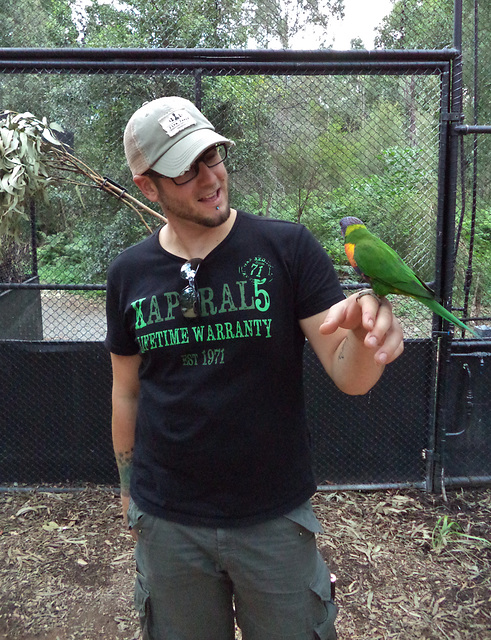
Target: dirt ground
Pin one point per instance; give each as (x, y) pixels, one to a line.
(409, 565)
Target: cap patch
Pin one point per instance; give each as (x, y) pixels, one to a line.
(176, 122)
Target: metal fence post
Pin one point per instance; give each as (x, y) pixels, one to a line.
(34, 242)
(450, 117)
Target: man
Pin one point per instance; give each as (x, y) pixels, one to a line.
(207, 320)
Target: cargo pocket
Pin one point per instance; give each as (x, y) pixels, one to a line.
(326, 610)
(142, 602)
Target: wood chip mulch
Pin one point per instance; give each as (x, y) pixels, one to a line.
(409, 565)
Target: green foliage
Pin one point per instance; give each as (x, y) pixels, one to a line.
(197, 24)
(33, 158)
(83, 254)
(105, 243)
(309, 149)
(171, 24)
(61, 258)
(25, 144)
(390, 203)
(417, 24)
(414, 24)
(36, 23)
(481, 271)
(447, 531)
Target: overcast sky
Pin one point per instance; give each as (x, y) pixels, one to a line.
(361, 18)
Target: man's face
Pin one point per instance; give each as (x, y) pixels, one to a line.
(203, 200)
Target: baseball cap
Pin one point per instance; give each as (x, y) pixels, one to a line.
(167, 135)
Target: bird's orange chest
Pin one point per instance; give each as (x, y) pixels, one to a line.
(350, 252)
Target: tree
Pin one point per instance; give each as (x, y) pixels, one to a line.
(279, 21)
(429, 24)
(218, 24)
(36, 23)
(174, 24)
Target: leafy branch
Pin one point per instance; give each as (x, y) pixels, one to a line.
(32, 158)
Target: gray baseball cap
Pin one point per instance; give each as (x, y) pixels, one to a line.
(167, 135)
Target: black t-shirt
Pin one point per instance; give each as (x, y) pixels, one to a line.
(221, 436)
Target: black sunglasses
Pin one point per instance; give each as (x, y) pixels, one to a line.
(189, 298)
(211, 157)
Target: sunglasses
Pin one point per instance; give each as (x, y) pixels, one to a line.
(189, 297)
(211, 157)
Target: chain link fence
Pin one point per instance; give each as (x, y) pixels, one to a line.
(310, 149)
(315, 142)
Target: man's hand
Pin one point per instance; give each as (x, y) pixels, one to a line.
(354, 340)
(371, 321)
(125, 501)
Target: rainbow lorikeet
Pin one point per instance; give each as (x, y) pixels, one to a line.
(386, 271)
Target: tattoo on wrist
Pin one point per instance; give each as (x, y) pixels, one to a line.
(124, 460)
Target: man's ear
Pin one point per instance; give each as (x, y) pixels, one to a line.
(147, 186)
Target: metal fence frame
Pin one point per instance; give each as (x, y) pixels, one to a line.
(201, 62)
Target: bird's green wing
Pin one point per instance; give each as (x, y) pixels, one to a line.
(387, 272)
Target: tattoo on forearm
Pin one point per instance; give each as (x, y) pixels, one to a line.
(124, 460)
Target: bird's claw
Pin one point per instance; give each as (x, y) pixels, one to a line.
(369, 292)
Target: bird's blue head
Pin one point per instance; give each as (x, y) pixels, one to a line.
(347, 222)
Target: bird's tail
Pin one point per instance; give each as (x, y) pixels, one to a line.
(447, 315)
